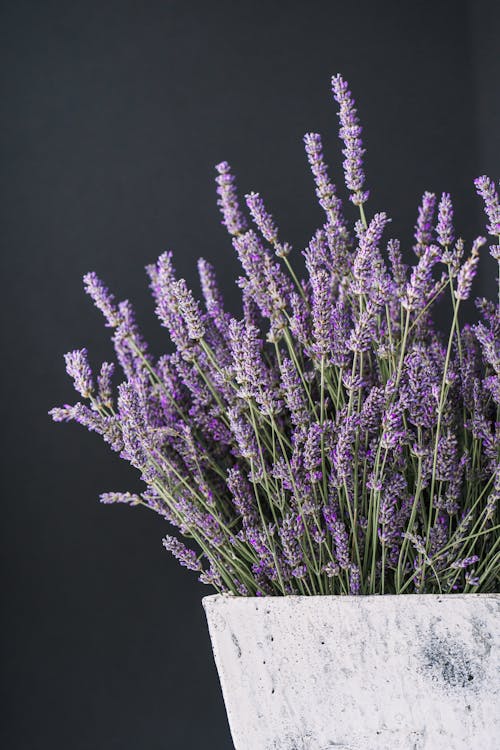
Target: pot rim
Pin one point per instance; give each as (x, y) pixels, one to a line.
(349, 598)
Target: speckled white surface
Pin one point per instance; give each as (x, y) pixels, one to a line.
(359, 673)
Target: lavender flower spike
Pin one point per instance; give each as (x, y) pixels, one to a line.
(468, 270)
(486, 189)
(211, 293)
(325, 189)
(350, 133)
(423, 228)
(186, 557)
(265, 223)
(78, 368)
(233, 219)
(103, 299)
(127, 498)
(104, 384)
(190, 310)
(444, 228)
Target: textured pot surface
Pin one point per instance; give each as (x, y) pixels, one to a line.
(359, 673)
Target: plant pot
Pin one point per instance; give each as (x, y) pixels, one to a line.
(359, 673)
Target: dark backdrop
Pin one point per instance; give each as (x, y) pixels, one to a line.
(112, 117)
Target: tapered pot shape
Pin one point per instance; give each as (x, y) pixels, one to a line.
(408, 672)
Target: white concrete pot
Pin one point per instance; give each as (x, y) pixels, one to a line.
(409, 672)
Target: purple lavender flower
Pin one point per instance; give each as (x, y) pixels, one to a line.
(104, 384)
(337, 529)
(368, 267)
(213, 298)
(130, 347)
(127, 498)
(486, 189)
(233, 219)
(452, 256)
(363, 332)
(342, 453)
(468, 271)
(243, 497)
(354, 580)
(394, 434)
(190, 311)
(471, 579)
(291, 531)
(312, 452)
(398, 268)
(444, 227)
(423, 228)
(293, 392)
(78, 368)
(465, 562)
(265, 223)
(244, 436)
(419, 288)
(249, 370)
(321, 312)
(265, 282)
(186, 557)
(341, 330)
(325, 189)
(350, 133)
(109, 428)
(103, 299)
(62, 413)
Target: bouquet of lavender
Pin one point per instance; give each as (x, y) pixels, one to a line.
(332, 440)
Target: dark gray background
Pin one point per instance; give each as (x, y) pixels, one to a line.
(112, 117)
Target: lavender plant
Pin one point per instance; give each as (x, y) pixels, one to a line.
(332, 440)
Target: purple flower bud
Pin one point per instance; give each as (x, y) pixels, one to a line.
(211, 293)
(78, 368)
(444, 228)
(465, 562)
(419, 288)
(186, 557)
(364, 331)
(62, 413)
(471, 579)
(104, 384)
(350, 133)
(312, 452)
(110, 498)
(340, 537)
(102, 298)
(354, 580)
(486, 189)
(262, 218)
(423, 228)
(233, 219)
(452, 256)
(290, 532)
(190, 311)
(468, 271)
(265, 281)
(325, 189)
(398, 268)
(321, 286)
(293, 392)
(368, 268)
(331, 569)
(130, 347)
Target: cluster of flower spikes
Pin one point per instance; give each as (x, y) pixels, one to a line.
(332, 440)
